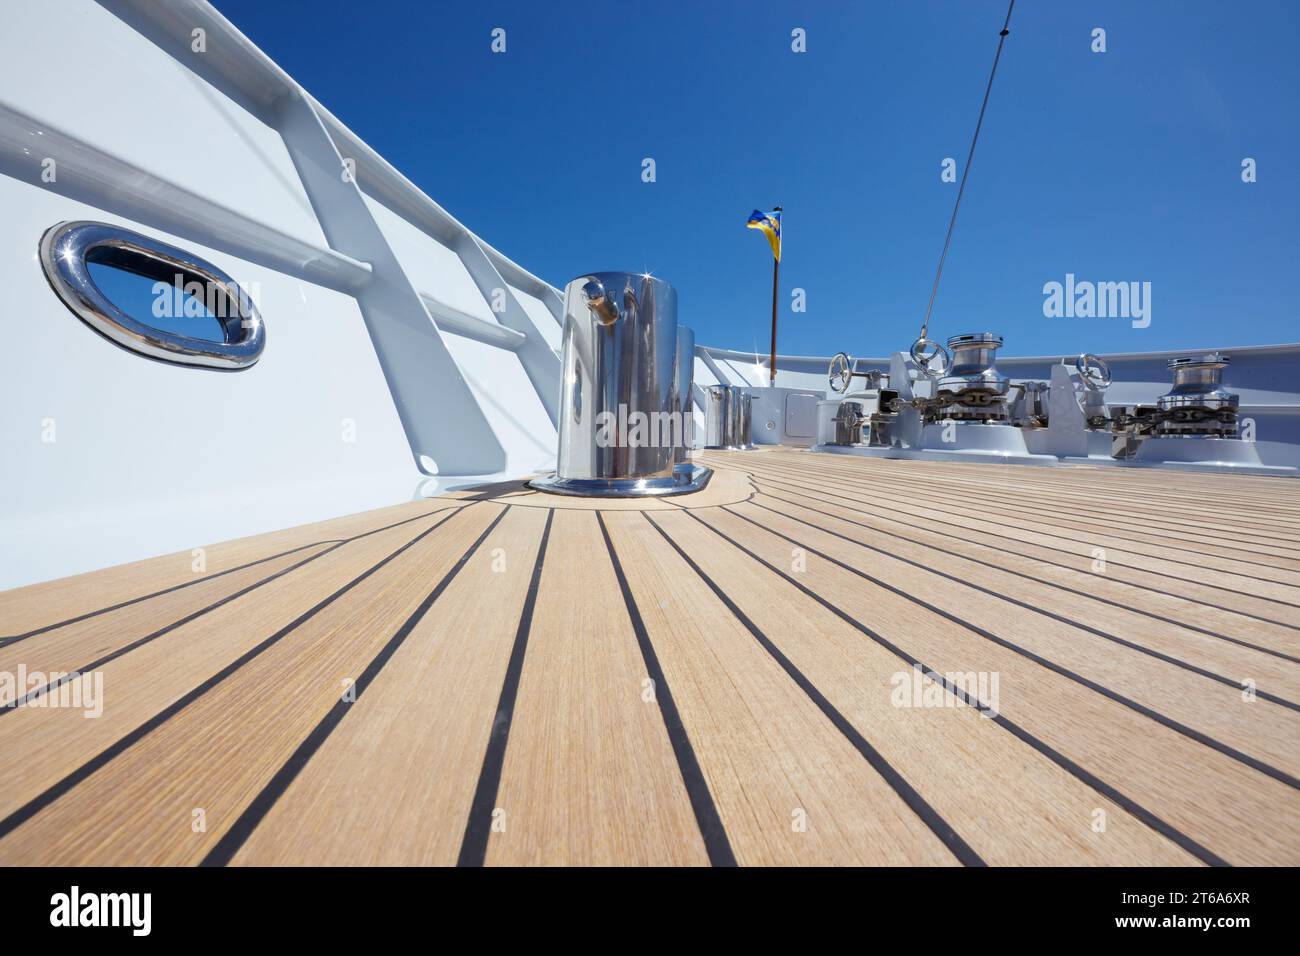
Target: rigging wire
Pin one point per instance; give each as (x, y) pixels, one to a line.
(965, 173)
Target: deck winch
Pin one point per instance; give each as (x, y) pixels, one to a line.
(971, 389)
(1198, 404)
(954, 404)
(848, 421)
(867, 416)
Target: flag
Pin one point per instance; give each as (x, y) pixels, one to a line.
(770, 223)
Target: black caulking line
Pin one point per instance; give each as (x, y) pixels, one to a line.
(1251, 505)
(1061, 760)
(945, 493)
(6, 641)
(1031, 499)
(261, 805)
(712, 830)
(787, 480)
(153, 636)
(940, 827)
(478, 825)
(793, 487)
(1012, 518)
(1252, 762)
(148, 638)
(63, 786)
(1020, 574)
(1104, 635)
(1247, 513)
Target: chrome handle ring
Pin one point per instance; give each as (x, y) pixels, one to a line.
(1093, 372)
(841, 372)
(923, 360)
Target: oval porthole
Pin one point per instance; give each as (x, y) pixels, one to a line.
(152, 298)
(179, 309)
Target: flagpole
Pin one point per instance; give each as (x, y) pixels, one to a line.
(776, 273)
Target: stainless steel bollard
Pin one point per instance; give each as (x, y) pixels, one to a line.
(717, 405)
(742, 409)
(727, 414)
(620, 424)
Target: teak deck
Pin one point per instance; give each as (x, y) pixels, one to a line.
(505, 677)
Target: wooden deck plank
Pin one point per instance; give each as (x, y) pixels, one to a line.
(262, 712)
(1235, 595)
(1206, 519)
(89, 643)
(503, 713)
(1136, 519)
(951, 754)
(45, 605)
(40, 748)
(1234, 810)
(392, 785)
(1251, 490)
(1261, 728)
(589, 775)
(1164, 557)
(890, 531)
(1171, 482)
(1068, 483)
(1230, 662)
(1083, 484)
(771, 757)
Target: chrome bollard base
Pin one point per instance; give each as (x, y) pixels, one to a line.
(685, 479)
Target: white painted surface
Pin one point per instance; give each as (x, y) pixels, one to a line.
(495, 376)
(149, 457)
(541, 316)
(79, 68)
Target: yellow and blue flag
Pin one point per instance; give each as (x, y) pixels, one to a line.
(770, 223)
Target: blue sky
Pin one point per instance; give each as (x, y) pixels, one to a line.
(1115, 166)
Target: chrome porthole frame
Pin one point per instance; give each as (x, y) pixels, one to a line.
(63, 255)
